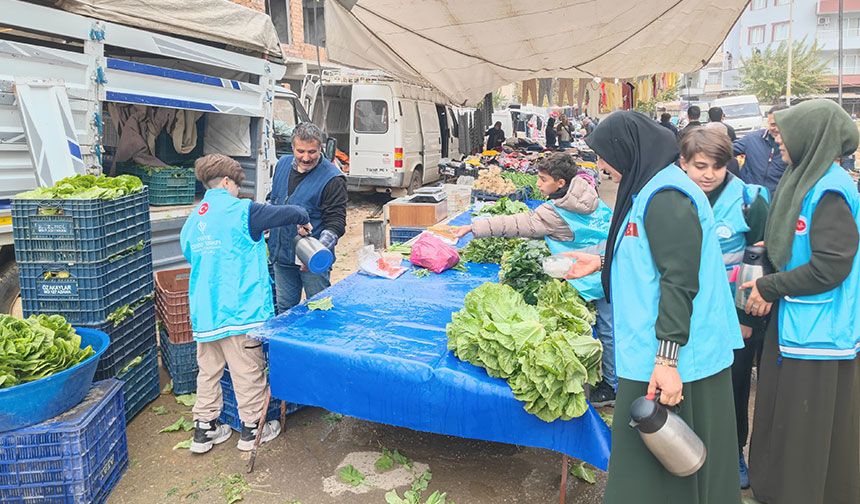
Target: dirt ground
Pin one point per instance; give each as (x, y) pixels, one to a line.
(302, 464)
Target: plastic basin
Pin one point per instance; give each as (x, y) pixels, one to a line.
(37, 401)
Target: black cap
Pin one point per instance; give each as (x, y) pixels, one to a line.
(756, 255)
(647, 414)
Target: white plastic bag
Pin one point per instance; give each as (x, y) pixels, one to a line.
(371, 263)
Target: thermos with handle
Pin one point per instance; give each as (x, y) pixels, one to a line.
(754, 266)
(667, 436)
(313, 254)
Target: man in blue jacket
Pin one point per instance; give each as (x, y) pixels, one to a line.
(763, 165)
(310, 181)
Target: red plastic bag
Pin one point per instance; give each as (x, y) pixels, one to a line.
(432, 253)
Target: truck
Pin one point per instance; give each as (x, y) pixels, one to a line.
(61, 73)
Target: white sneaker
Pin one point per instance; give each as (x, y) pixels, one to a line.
(208, 434)
(271, 429)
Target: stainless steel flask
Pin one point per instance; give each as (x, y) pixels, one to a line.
(754, 266)
(667, 436)
(313, 254)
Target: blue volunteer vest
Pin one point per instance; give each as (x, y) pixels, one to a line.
(635, 284)
(229, 291)
(822, 326)
(306, 195)
(589, 235)
(729, 214)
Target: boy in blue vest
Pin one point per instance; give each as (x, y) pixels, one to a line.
(230, 293)
(574, 219)
(740, 211)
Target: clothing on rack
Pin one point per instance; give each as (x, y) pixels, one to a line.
(530, 91)
(545, 89)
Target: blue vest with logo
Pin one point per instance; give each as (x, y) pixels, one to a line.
(230, 290)
(589, 235)
(635, 284)
(822, 326)
(307, 195)
(730, 216)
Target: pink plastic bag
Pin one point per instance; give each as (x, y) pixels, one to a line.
(432, 253)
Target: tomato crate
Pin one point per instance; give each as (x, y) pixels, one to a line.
(180, 361)
(86, 293)
(141, 385)
(133, 336)
(168, 185)
(72, 230)
(77, 457)
(171, 303)
(230, 410)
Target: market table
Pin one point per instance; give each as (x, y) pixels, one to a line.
(381, 355)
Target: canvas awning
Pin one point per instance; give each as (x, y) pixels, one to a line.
(467, 48)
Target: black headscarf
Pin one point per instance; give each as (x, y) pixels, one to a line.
(638, 148)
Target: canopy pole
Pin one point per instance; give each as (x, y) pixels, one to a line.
(840, 51)
(790, 48)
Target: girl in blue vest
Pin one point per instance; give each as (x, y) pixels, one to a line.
(230, 293)
(740, 211)
(574, 218)
(675, 322)
(806, 429)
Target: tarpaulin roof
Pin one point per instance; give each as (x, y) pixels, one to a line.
(214, 20)
(467, 48)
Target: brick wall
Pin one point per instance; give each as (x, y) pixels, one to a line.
(298, 49)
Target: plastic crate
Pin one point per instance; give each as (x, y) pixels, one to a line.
(168, 185)
(485, 196)
(171, 296)
(403, 234)
(89, 292)
(77, 457)
(180, 361)
(70, 230)
(141, 385)
(230, 411)
(132, 337)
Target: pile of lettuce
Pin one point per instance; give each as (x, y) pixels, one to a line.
(488, 250)
(87, 187)
(503, 206)
(545, 352)
(37, 347)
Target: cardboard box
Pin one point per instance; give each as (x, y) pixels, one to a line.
(402, 213)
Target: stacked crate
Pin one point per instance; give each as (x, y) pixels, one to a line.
(178, 348)
(91, 262)
(168, 185)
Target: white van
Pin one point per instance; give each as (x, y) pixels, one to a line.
(395, 133)
(742, 113)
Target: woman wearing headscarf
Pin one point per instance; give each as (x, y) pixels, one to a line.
(551, 136)
(677, 328)
(806, 428)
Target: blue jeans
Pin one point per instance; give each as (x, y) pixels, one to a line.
(603, 326)
(565, 145)
(289, 282)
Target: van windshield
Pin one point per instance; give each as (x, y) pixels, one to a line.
(741, 110)
(287, 113)
(371, 116)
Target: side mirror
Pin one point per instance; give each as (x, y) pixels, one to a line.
(330, 148)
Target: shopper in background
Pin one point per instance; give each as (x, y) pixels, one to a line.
(495, 137)
(693, 114)
(716, 116)
(565, 133)
(763, 164)
(666, 122)
(551, 135)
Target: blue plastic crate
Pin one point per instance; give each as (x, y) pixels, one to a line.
(230, 410)
(519, 194)
(141, 385)
(168, 185)
(77, 457)
(72, 230)
(180, 361)
(404, 234)
(132, 337)
(86, 293)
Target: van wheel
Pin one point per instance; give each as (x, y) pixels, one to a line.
(10, 290)
(416, 181)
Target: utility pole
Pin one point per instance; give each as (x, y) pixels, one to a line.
(840, 52)
(790, 47)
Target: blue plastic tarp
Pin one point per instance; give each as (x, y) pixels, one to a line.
(381, 355)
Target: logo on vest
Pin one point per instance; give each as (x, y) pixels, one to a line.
(632, 230)
(203, 208)
(802, 227)
(202, 227)
(724, 232)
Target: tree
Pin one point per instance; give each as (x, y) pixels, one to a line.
(764, 74)
(649, 108)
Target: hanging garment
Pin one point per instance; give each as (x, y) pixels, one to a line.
(530, 91)
(580, 93)
(565, 89)
(627, 97)
(544, 89)
(594, 98)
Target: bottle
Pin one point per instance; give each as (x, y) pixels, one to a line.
(557, 265)
(754, 266)
(313, 254)
(667, 436)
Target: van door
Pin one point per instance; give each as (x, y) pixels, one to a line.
(372, 138)
(454, 129)
(413, 143)
(432, 140)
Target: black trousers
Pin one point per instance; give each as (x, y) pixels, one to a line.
(741, 374)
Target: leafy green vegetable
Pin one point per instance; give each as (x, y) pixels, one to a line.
(522, 269)
(129, 251)
(351, 475)
(332, 417)
(159, 410)
(606, 416)
(187, 399)
(488, 250)
(134, 362)
(421, 272)
(585, 474)
(400, 459)
(503, 206)
(168, 388)
(87, 187)
(525, 180)
(182, 423)
(183, 444)
(324, 304)
(422, 481)
(233, 487)
(405, 250)
(384, 463)
(460, 266)
(37, 347)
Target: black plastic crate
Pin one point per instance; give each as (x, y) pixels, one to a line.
(76, 457)
(180, 361)
(128, 339)
(403, 234)
(86, 293)
(70, 230)
(140, 385)
(517, 195)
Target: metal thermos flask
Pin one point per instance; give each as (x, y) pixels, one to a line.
(754, 266)
(668, 437)
(313, 254)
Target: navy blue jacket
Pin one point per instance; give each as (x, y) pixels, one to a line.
(764, 165)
